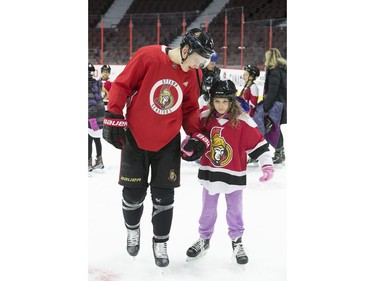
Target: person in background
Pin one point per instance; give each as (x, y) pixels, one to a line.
(105, 71)
(233, 135)
(159, 91)
(95, 122)
(250, 91)
(275, 89)
(211, 74)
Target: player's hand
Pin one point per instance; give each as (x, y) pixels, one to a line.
(193, 147)
(267, 173)
(93, 124)
(114, 127)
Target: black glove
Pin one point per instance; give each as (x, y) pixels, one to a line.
(114, 126)
(267, 124)
(193, 147)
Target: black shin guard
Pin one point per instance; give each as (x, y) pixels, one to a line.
(162, 212)
(132, 206)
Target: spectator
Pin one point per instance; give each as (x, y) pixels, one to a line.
(275, 89)
(95, 122)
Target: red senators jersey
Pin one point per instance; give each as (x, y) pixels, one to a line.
(223, 165)
(159, 97)
(107, 84)
(250, 94)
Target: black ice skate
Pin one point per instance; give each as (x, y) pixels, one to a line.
(239, 251)
(90, 165)
(198, 249)
(133, 241)
(160, 253)
(98, 163)
(279, 156)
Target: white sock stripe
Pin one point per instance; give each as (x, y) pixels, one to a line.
(161, 237)
(129, 206)
(160, 208)
(132, 226)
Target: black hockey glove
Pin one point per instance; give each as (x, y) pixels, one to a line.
(268, 124)
(114, 126)
(193, 147)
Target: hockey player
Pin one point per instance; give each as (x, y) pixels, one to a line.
(95, 122)
(159, 88)
(250, 91)
(211, 74)
(233, 135)
(105, 71)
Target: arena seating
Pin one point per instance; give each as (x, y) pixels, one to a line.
(144, 15)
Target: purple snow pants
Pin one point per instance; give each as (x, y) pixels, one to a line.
(233, 215)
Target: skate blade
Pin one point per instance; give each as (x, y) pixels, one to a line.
(242, 266)
(189, 259)
(99, 171)
(162, 269)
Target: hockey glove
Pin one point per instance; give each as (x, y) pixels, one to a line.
(267, 124)
(114, 126)
(244, 105)
(267, 173)
(93, 124)
(193, 147)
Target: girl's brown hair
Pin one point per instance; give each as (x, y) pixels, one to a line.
(234, 111)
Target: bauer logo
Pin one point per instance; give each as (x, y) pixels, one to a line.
(165, 96)
(115, 122)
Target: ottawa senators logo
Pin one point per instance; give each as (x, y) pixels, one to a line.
(165, 96)
(172, 176)
(221, 153)
(165, 99)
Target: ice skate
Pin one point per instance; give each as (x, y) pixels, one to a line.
(198, 249)
(98, 163)
(90, 165)
(160, 253)
(279, 156)
(239, 251)
(133, 241)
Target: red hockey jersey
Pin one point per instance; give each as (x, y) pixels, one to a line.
(159, 95)
(223, 165)
(250, 94)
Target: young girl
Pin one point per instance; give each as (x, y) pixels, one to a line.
(233, 135)
(95, 122)
(106, 71)
(250, 91)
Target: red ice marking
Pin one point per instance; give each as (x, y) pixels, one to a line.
(101, 275)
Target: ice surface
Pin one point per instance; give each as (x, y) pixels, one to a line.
(264, 237)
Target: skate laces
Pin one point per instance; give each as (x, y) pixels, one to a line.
(160, 250)
(199, 245)
(238, 251)
(133, 237)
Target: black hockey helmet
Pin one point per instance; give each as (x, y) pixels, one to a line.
(223, 89)
(199, 42)
(208, 80)
(105, 67)
(253, 70)
(91, 67)
(91, 70)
